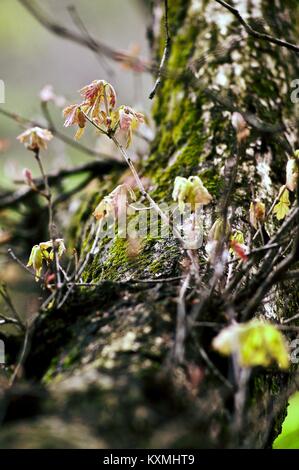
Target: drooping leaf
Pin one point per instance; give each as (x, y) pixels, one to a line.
(256, 343)
(190, 191)
(283, 206)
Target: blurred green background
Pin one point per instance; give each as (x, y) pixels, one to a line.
(289, 438)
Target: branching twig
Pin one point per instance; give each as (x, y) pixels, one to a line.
(272, 278)
(20, 263)
(257, 34)
(94, 45)
(83, 265)
(94, 169)
(64, 138)
(7, 299)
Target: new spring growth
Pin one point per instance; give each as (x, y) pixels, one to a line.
(129, 121)
(47, 94)
(74, 115)
(35, 138)
(237, 245)
(256, 343)
(44, 252)
(218, 232)
(28, 178)
(116, 203)
(257, 213)
(190, 191)
(99, 106)
(282, 208)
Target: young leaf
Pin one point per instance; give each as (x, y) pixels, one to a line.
(36, 261)
(283, 206)
(255, 343)
(191, 191)
(257, 213)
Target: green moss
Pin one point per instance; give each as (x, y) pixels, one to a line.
(117, 261)
(51, 371)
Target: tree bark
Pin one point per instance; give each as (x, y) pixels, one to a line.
(101, 366)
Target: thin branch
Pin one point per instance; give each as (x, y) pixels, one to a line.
(278, 196)
(165, 53)
(127, 282)
(9, 320)
(20, 263)
(51, 226)
(272, 278)
(22, 356)
(257, 34)
(181, 323)
(78, 22)
(64, 138)
(140, 65)
(214, 369)
(95, 169)
(7, 299)
(83, 265)
(94, 45)
(68, 194)
(274, 240)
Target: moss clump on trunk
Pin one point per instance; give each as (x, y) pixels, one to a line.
(104, 359)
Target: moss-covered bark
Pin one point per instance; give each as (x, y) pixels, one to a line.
(104, 359)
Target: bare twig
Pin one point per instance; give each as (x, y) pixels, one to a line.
(274, 241)
(20, 263)
(214, 369)
(291, 275)
(181, 323)
(67, 194)
(281, 192)
(83, 265)
(94, 169)
(128, 282)
(272, 278)
(94, 45)
(165, 53)
(143, 66)
(9, 320)
(257, 34)
(23, 121)
(51, 227)
(22, 356)
(7, 299)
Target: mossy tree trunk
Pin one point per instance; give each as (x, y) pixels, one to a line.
(103, 360)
